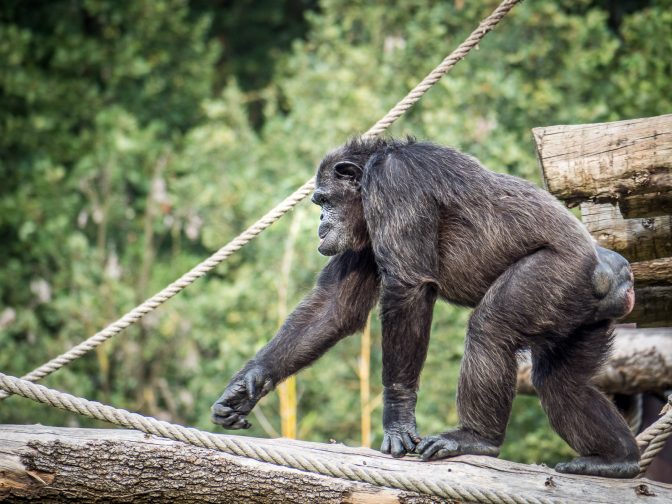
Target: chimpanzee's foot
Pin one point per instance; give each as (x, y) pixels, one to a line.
(597, 466)
(453, 443)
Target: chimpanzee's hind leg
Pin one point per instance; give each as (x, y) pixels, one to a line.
(518, 303)
(580, 413)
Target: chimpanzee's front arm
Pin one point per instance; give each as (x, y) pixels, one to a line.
(338, 306)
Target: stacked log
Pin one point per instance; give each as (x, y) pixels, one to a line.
(620, 173)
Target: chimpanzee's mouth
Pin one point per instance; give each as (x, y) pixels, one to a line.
(323, 235)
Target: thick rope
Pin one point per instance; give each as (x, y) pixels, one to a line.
(653, 439)
(247, 448)
(272, 216)
(174, 288)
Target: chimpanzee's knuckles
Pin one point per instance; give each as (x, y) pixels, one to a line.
(231, 421)
(241, 423)
(397, 444)
(408, 442)
(234, 398)
(385, 446)
(398, 449)
(220, 409)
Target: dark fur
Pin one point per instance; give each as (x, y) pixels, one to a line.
(415, 221)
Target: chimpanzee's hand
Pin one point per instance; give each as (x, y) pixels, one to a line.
(241, 395)
(399, 432)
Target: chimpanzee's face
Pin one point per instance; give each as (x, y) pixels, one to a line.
(342, 225)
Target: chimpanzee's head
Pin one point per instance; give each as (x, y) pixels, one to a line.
(338, 193)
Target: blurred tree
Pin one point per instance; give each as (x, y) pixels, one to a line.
(253, 35)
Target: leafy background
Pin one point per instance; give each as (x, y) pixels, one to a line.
(138, 137)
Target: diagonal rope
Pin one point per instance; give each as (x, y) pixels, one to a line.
(273, 215)
(246, 447)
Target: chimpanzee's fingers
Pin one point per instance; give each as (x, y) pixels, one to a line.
(233, 421)
(241, 423)
(385, 447)
(222, 414)
(251, 385)
(221, 410)
(397, 447)
(225, 420)
(407, 441)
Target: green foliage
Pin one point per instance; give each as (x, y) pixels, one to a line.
(128, 153)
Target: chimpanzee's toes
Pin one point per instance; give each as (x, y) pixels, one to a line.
(598, 466)
(437, 447)
(454, 443)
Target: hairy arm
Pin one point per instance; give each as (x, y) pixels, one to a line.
(338, 306)
(403, 221)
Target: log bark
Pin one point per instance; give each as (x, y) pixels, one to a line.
(641, 361)
(606, 161)
(47, 464)
(635, 239)
(50, 464)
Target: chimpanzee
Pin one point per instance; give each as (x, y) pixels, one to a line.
(408, 222)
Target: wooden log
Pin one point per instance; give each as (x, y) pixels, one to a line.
(655, 272)
(606, 161)
(56, 465)
(636, 239)
(646, 205)
(48, 464)
(641, 361)
(653, 306)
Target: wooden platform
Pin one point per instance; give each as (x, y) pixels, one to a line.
(50, 464)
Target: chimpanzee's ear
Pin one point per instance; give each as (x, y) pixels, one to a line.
(347, 170)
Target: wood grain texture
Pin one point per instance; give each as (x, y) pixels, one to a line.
(654, 272)
(636, 239)
(54, 465)
(641, 361)
(88, 465)
(606, 161)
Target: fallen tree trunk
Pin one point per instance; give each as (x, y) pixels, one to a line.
(49, 464)
(641, 361)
